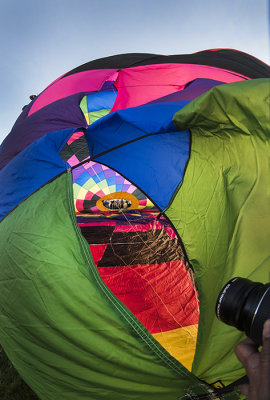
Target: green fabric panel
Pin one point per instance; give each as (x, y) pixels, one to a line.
(84, 108)
(95, 115)
(76, 189)
(65, 332)
(221, 210)
(83, 105)
(88, 185)
(102, 184)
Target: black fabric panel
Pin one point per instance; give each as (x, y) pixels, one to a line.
(150, 247)
(97, 234)
(232, 60)
(88, 204)
(137, 193)
(66, 153)
(128, 248)
(118, 61)
(78, 147)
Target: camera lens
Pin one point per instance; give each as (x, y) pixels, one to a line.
(245, 305)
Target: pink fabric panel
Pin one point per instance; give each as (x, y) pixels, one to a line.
(139, 85)
(73, 160)
(85, 81)
(113, 77)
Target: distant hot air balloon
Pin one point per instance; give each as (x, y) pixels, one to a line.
(132, 189)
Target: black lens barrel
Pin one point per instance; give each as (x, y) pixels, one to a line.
(262, 313)
(245, 305)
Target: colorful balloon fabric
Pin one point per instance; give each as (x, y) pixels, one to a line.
(132, 189)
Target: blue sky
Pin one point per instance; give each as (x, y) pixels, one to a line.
(41, 40)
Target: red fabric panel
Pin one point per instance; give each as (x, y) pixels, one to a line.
(97, 251)
(161, 296)
(170, 232)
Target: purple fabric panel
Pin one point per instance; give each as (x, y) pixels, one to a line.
(62, 114)
(95, 169)
(125, 188)
(76, 173)
(108, 85)
(120, 180)
(192, 90)
(109, 173)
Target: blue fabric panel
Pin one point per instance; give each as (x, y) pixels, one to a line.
(83, 178)
(155, 163)
(99, 100)
(121, 126)
(111, 181)
(98, 177)
(101, 176)
(33, 167)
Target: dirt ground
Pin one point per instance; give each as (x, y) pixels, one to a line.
(12, 387)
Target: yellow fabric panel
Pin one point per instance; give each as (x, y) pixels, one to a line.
(180, 343)
(87, 118)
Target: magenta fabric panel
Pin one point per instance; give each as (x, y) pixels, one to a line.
(86, 81)
(107, 223)
(139, 85)
(144, 227)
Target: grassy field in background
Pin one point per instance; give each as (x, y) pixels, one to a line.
(12, 387)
